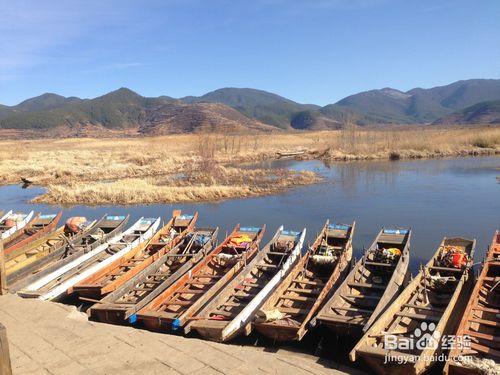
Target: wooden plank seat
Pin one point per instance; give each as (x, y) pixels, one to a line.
(378, 264)
(354, 309)
(446, 269)
(365, 285)
(421, 317)
(421, 307)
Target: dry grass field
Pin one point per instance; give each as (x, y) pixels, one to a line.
(201, 167)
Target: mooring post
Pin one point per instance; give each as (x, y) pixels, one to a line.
(5, 366)
(3, 275)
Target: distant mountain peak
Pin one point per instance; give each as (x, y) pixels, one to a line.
(394, 93)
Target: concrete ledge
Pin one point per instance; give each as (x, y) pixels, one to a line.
(51, 338)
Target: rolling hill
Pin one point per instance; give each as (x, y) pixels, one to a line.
(234, 108)
(480, 113)
(420, 105)
(261, 105)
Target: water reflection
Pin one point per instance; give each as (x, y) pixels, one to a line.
(434, 197)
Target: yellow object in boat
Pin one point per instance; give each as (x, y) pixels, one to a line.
(240, 239)
(394, 251)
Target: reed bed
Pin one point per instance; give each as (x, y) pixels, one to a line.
(203, 167)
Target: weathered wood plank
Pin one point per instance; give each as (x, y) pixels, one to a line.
(5, 366)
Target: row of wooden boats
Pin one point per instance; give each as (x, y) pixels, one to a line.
(177, 278)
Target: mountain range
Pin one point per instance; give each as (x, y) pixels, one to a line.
(475, 101)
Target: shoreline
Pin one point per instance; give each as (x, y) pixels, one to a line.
(211, 168)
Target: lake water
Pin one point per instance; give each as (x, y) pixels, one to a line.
(440, 197)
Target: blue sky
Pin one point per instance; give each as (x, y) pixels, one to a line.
(312, 51)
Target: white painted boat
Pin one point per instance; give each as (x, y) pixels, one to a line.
(60, 282)
(231, 312)
(21, 221)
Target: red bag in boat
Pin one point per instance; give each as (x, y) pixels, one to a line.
(75, 224)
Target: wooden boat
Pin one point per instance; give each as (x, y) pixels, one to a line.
(21, 220)
(123, 269)
(232, 311)
(480, 322)
(374, 282)
(37, 228)
(407, 336)
(28, 254)
(64, 252)
(286, 314)
(60, 282)
(122, 304)
(174, 306)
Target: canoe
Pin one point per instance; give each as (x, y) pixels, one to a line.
(60, 255)
(286, 314)
(232, 311)
(120, 306)
(373, 283)
(480, 322)
(123, 269)
(21, 219)
(59, 283)
(37, 249)
(172, 309)
(406, 338)
(37, 228)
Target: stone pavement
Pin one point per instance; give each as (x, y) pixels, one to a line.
(51, 338)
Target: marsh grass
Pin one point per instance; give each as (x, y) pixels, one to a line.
(201, 167)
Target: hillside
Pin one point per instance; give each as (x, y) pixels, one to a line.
(175, 117)
(241, 108)
(480, 113)
(420, 105)
(126, 111)
(263, 106)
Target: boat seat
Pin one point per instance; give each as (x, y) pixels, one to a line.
(484, 321)
(177, 303)
(421, 307)
(365, 285)
(222, 312)
(446, 269)
(190, 291)
(297, 298)
(252, 285)
(199, 282)
(354, 309)
(486, 309)
(360, 296)
(308, 282)
(305, 291)
(422, 317)
(290, 310)
(378, 264)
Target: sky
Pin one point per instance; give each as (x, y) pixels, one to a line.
(311, 51)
